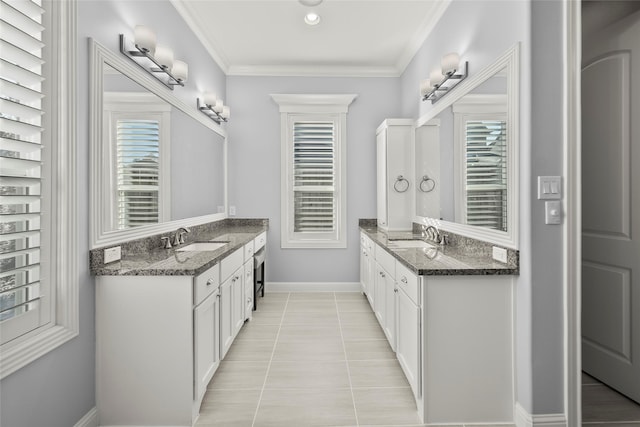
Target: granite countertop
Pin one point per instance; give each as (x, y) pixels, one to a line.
(170, 262)
(446, 260)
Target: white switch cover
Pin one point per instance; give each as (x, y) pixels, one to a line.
(500, 254)
(549, 187)
(112, 254)
(553, 212)
(232, 210)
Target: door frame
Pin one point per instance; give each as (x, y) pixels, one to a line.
(572, 246)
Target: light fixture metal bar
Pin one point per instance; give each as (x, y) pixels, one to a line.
(210, 112)
(459, 75)
(141, 53)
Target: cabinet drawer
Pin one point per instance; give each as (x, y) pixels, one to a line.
(408, 282)
(366, 242)
(386, 260)
(260, 241)
(206, 283)
(248, 251)
(231, 264)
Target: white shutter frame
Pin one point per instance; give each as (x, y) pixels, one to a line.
(319, 108)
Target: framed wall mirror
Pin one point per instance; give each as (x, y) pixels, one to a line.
(157, 163)
(466, 153)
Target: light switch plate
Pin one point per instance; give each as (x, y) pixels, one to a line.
(232, 211)
(500, 254)
(553, 212)
(112, 254)
(549, 188)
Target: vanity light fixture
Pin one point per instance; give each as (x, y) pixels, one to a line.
(310, 2)
(312, 18)
(214, 108)
(443, 79)
(156, 59)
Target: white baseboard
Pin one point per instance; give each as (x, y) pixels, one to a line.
(313, 287)
(90, 419)
(524, 419)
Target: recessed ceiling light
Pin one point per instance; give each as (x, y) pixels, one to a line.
(310, 2)
(312, 18)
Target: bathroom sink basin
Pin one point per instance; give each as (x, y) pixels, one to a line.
(409, 244)
(202, 246)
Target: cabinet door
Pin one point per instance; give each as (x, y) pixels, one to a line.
(380, 295)
(390, 309)
(364, 270)
(381, 145)
(237, 291)
(408, 340)
(226, 320)
(248, 289)
(371, 279)
(206, 347)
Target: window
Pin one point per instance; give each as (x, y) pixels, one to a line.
(38, 283)
(481, 137)
(138, 123)
(313, 180)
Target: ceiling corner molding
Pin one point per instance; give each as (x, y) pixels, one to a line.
(328, 71)
(188, 17)
(421, 36)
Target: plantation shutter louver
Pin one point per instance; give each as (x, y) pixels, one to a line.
(486, 173)
(21, 111)
(138, 172)
(314, 176)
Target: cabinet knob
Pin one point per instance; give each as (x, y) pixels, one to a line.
(382, 274)
(404, 280)
(210, 282)
(395, 290)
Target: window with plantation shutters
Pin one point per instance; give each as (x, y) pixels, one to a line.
(313, 180)
(23, 297)
(314, 176)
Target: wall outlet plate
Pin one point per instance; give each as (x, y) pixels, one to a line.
(112, 254)
(500, 254)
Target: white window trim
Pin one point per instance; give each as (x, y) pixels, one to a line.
(116, 103)
(63, 250)
(333, 107)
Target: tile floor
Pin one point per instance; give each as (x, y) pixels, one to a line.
(604, 407)
(310, 359)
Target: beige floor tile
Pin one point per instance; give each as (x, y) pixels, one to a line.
(369, 350)
(357, 318)
(311, 306)
(307, 374)
(602, 404)
(321, 350)
(312, 296)
(304, 318)
(350, 296)
(267, 317)
(239, 375)
(309, 332)
(301, 408)
(275, 295)
(362, 332)
(256, 331)
(377, 373)
(234, 408)
(248, 349)
(353, 305)
(272, 305)
(385, 406)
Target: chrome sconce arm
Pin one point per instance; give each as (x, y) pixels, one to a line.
(438, 90)
(172, 77)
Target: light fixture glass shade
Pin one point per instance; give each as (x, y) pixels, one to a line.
(310, 2)
(436, 77)
(226, 112)
(210, 99)
(450, 63)
(180, 70)
(425, 87)
(145, 38)
(164, 56)
(218, 106)
(312, 18)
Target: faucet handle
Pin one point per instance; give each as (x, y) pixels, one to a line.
(166, 242)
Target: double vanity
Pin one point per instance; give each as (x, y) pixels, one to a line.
(447, 312)
(165, 318)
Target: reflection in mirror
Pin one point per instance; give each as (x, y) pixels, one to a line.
(157, 163)
(465, 154)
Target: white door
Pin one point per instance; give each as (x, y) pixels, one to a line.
(611, 206)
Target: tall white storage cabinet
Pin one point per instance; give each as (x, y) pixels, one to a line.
(395, 174)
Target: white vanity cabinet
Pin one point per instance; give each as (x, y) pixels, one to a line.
(156, 347)
(367, 268)
(248, 280)
(231, 298)
(395, 186)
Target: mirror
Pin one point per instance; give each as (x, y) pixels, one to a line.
(157, 164)
(466, 157)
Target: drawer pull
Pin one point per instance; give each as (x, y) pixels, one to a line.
(210, 282)
(382, 274)
(404, 280)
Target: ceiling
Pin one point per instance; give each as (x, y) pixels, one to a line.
(353, 38)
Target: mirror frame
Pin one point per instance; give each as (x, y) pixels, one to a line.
(98, 235)
(510, 61)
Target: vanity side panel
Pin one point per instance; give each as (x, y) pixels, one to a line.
(468, 349)
(144, 350)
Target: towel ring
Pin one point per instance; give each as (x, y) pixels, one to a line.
(401, 185)
(430, 184)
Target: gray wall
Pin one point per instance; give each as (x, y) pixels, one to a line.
(254, 172)
(58, 389)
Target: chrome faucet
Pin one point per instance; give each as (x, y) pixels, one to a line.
(433, 234)
(178, 239)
